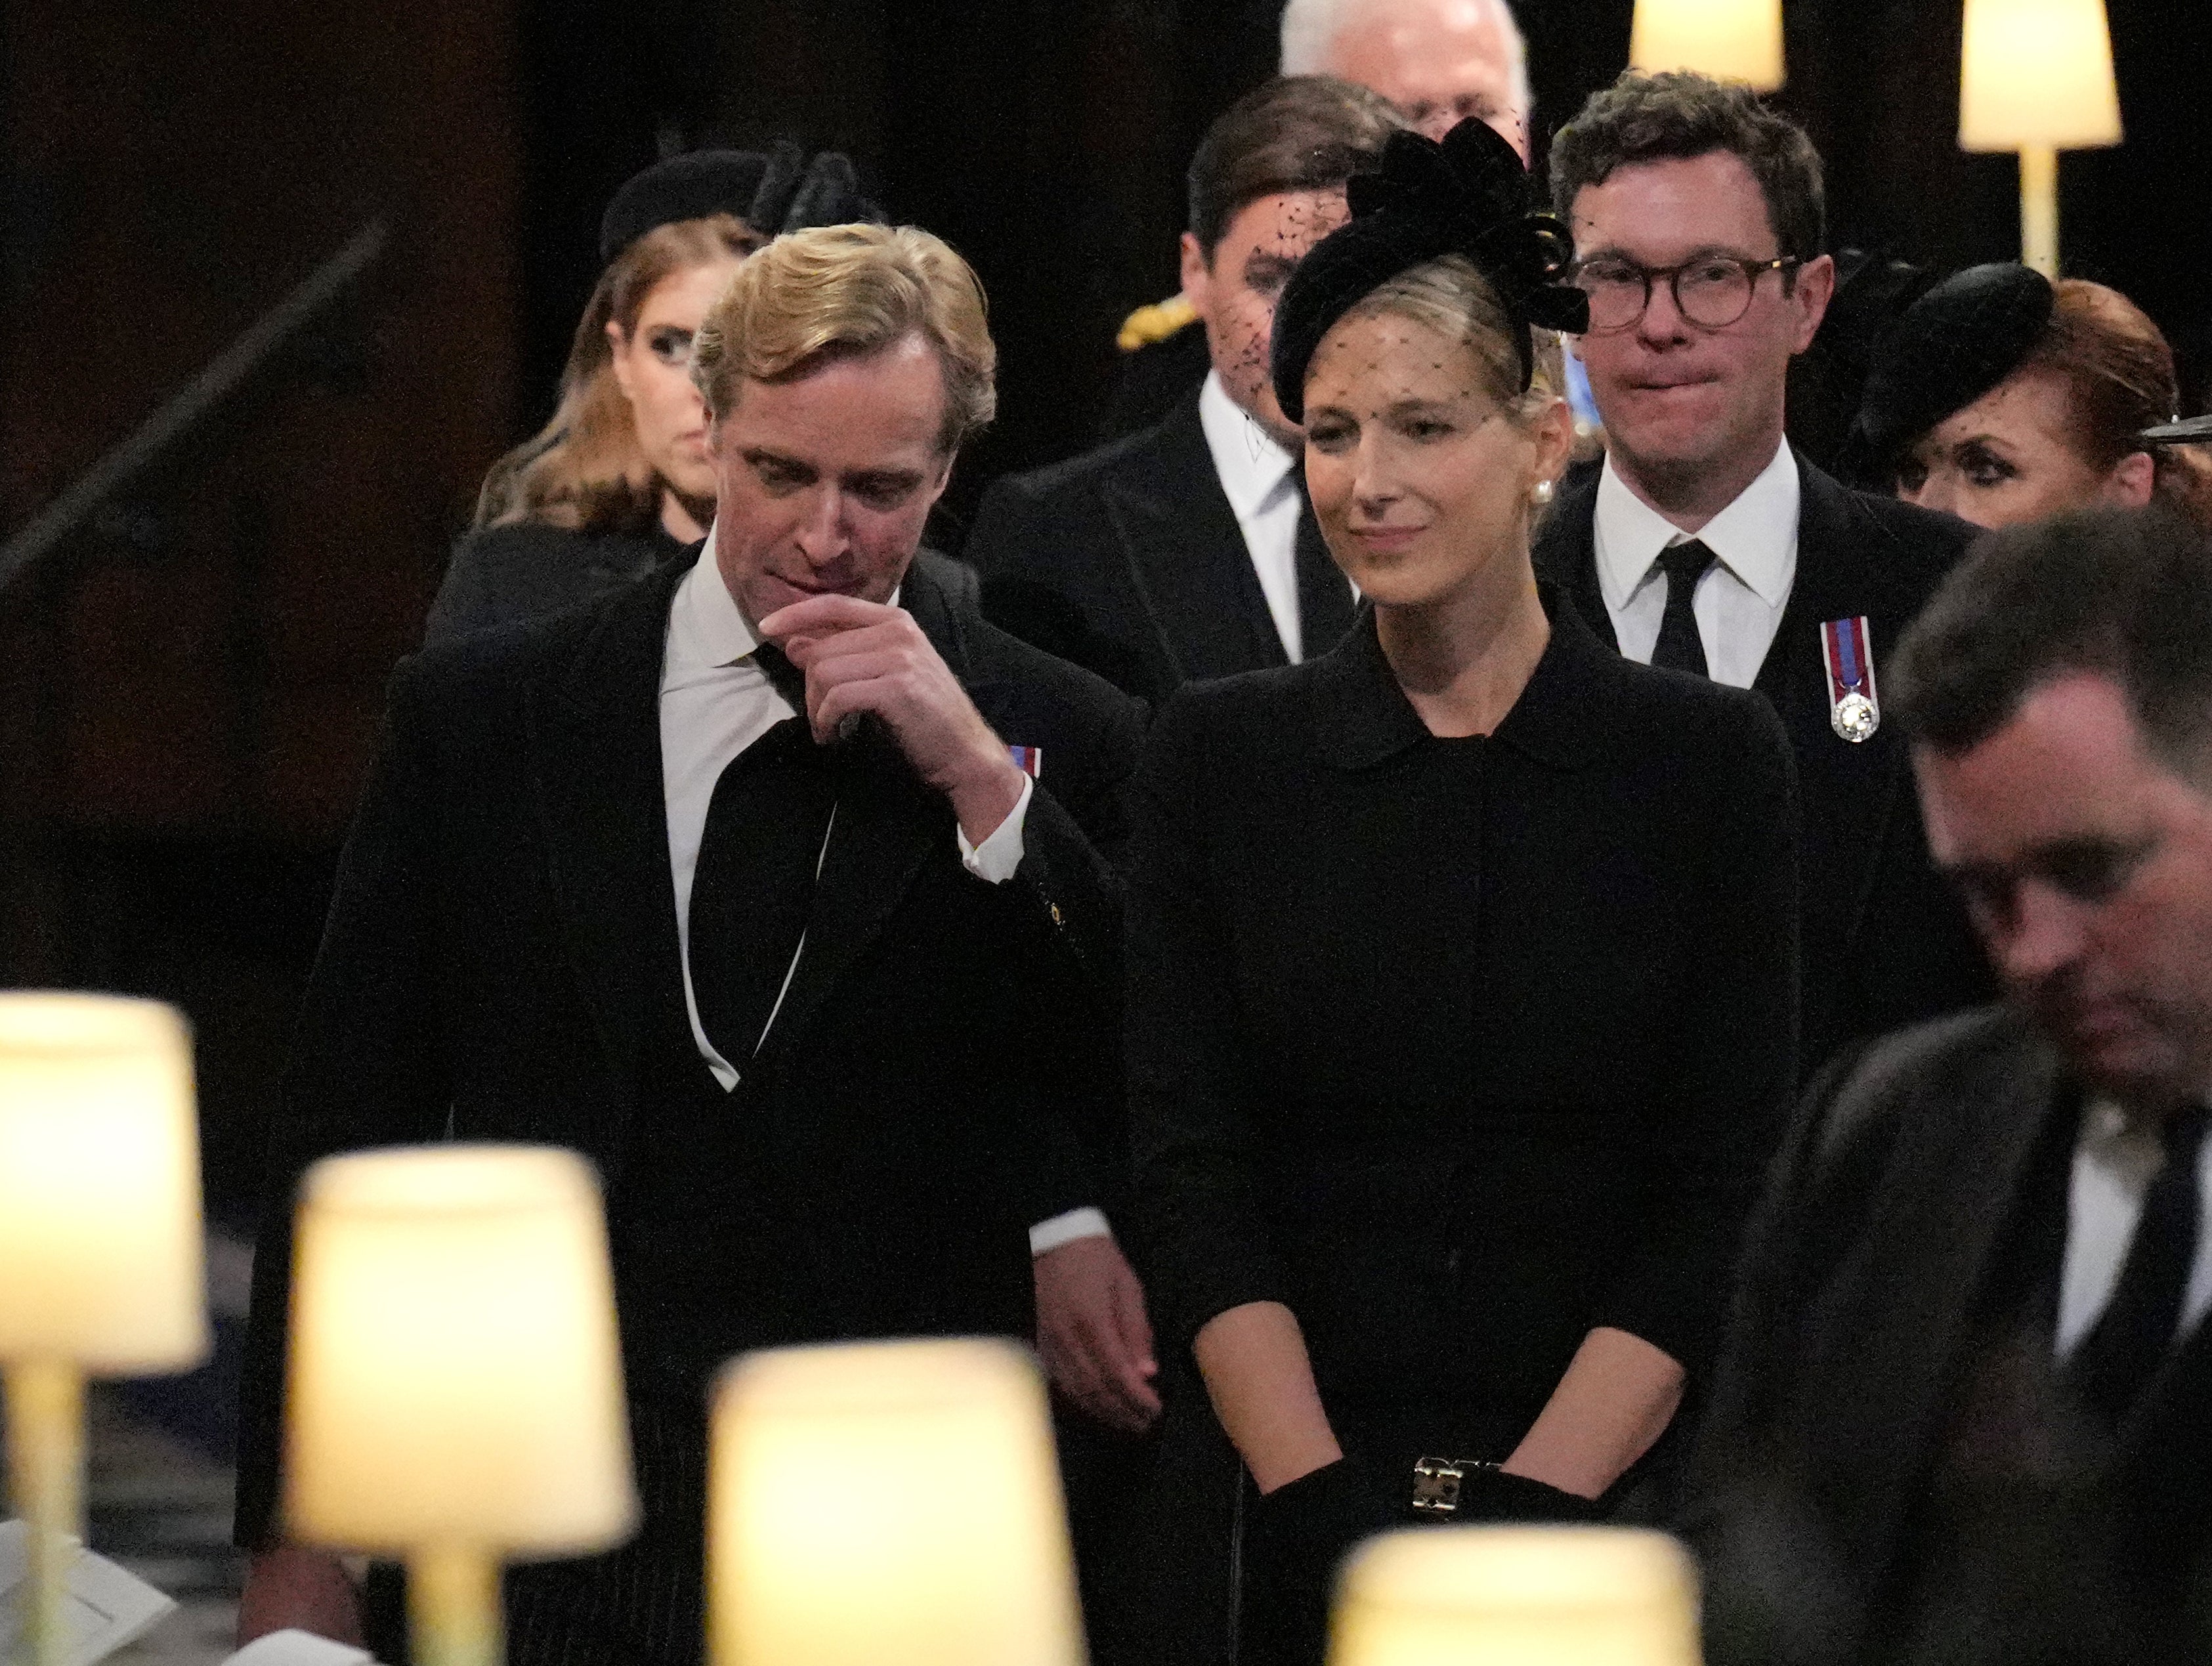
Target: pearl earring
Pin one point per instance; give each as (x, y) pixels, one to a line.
(1540, 493)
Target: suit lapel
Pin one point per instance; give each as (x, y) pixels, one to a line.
(1566, 555)
(594, 723)
(1904, 1310)
(1186, 555)
(1849, 792)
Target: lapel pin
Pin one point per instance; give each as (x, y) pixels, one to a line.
(1854, 704)
(1029, 760)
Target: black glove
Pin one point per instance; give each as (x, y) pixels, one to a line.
(1294, 1537)
(1493, 1495)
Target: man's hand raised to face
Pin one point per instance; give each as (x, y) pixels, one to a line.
(863, 657)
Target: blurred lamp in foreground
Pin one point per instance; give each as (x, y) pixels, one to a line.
(1516, 1597)
(887, 1503)
(100, 1241)
(1728, 40)
(456, 1390)
(2036, 76)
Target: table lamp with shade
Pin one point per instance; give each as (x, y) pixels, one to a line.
(455, 1390)
(2036, 76)
(1516, 1597)
(1727, 39)
(101, 1244)
(887, 1503)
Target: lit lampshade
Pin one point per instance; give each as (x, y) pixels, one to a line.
(1516, 1597)
(2037, 72)
(456, 1389)
(99, 1244)
(99, 1185)
(1728, 40)
(887, 1503)
(2036, 76)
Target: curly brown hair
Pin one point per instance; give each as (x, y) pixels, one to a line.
(1675, 114)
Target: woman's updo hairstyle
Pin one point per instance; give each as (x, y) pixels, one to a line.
(1446, 233)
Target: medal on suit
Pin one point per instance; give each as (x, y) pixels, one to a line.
(1029, 760)
(1854, 704)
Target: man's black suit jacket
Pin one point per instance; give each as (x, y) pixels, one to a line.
(1911, 1180)
(1884, 943)
(1128, 561)
(501, 963)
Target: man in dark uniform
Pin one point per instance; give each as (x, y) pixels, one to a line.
(1966, 1411)
(1188, 551)
(772, 882)
(1707, 545)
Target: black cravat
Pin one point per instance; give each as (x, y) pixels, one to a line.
(1324, 594)
(754, 884)
(2128, 1344)
(1680, 647)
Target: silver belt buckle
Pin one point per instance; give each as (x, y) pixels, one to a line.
(1436, 1485)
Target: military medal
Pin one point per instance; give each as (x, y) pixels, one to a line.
(1029, 760)
(1854, 705)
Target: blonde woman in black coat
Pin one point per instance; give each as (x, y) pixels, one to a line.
(1463, 959)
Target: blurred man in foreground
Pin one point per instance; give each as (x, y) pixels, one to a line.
(1965, 1415)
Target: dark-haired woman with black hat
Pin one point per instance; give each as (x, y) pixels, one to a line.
(1464, 958)
(2001, 397)
(618, 481)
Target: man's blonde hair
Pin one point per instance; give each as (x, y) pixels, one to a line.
(838, 292)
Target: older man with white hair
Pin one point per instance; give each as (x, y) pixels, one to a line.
(1439, 61)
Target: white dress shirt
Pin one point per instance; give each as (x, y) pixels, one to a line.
(716, 701)
(2114, 1163)
(1260, 479)
(1739, 601)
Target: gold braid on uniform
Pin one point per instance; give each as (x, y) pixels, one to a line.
(1155, 323)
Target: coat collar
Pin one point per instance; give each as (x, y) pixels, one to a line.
(591, 711)
(594, 732)
(1363, 716)
(1185, 554)
(1900, 1330)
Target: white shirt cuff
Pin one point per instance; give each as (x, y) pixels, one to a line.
(994, 860)
(1085, 1223)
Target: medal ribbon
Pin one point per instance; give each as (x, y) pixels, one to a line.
(1850, 670)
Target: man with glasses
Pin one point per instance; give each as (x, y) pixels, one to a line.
(1706, 545)
(1965, 1412)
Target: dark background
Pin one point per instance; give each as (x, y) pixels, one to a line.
(189, 686)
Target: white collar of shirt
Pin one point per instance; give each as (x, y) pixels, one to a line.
(2115, 1160)
(1252, 467)
(707, 629)
(1755, 538)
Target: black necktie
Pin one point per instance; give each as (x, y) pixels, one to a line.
(1680, 647)
(1325, 607)
(2130, 1341)
(754, 884)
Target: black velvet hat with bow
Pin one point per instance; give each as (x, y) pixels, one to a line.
(1469, 196)
(1946, 350)
(779, 191)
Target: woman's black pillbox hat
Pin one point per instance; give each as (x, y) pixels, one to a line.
(1467, 195)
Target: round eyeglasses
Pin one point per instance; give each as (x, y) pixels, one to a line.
(1712, 291)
